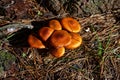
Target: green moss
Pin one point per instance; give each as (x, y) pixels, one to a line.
(6, 60)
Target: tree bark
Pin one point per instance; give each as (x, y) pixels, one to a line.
(83, 8)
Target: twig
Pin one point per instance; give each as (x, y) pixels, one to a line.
(16, 25)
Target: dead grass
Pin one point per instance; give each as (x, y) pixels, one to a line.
(97, 58)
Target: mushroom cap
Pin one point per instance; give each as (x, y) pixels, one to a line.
(71, 24)
(60, 38)
(76, 41)
(45, 33)
(35, 42)
(58, 52)
(55, 24)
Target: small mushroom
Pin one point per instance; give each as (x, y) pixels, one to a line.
(35, 42)
(76, 41)
(70, 24)
(60, 38)
(58, 52)
(55, 24)
(45, 33)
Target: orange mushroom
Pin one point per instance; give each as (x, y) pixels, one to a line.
(71, 24)
(35, 42)
(55, 24)
(58, 52)
(45, 33)
(76, 41)
(60, 38)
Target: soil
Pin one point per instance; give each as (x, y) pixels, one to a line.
(98, 58)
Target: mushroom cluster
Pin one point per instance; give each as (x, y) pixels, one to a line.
(59, 35)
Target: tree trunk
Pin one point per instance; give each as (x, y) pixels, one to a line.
(83, 8)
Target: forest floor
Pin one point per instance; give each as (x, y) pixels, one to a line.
(98, 58)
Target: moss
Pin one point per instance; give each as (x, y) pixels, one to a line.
(6, 60)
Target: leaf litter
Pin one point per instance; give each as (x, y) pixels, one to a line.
(97, 58)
